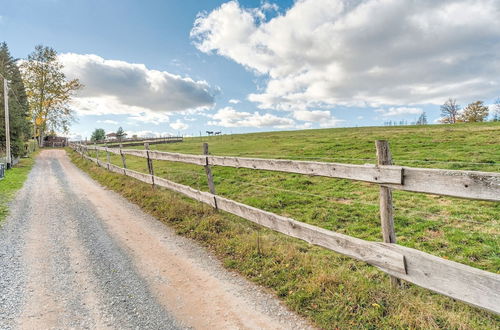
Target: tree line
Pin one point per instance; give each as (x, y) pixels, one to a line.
(39, 97)
(452, 113)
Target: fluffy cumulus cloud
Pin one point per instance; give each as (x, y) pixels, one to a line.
(322, 53)
(118, 87)
(229, 117)
(179, 125)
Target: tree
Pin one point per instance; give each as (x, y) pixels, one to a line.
(98, 135)
(474, 112)
(18, 104)
(422, 120)
(450, 111)
(120, 133)
(49, 92)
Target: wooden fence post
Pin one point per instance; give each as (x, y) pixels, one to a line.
(150, 163)
(96, 153)
(386, 208)
(208, 171)
(123, 157)
(107, 156)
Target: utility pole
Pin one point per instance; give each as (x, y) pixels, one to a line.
(7, 121)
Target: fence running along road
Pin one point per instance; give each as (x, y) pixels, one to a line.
(135, 142)
(468, 284)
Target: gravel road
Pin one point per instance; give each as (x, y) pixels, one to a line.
(75, 255)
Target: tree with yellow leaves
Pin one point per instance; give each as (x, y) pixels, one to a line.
(49, 92)
(474, 112)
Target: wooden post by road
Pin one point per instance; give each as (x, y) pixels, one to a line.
(150, 163)
(386, 208)
(107, 156)
(96, 153)
(123, 157)
(208, 170)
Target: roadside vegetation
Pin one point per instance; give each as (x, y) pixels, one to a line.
(331, 290)
(14, 181)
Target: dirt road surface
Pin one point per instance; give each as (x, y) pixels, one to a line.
(75, 255)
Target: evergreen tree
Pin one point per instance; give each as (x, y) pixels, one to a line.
(20, 128)
(120, 133)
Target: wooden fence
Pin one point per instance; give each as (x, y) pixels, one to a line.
(130, 142)
(468, 284)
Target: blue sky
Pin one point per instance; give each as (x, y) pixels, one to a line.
(156, 69)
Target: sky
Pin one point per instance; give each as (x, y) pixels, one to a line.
(163, 67)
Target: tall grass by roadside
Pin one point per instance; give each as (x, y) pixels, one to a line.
(332, 290)
(13, 181)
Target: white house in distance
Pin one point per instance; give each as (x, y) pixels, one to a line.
(111, 137)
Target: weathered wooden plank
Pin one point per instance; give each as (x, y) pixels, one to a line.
(139, 176)
(198, 195)
(135, 152)
(464, 184)
(461, 282)
(468, 284)
(369, 173)
(114, 151)
(116, 169)
(176, 157)
(370, 252)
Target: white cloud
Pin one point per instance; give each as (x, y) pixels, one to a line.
(324, 118)
(148, 134)
(400, 111)
(322, 53)
(229, 117)
(234, 101)
(316, 115)
(178, 125)
(149, 117)
(118, 87)
(108, 121)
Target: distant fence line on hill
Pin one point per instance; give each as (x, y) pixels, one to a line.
(130, 142)
(468, 284)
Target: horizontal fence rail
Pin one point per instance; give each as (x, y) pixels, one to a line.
(468, 284)
(455, 183)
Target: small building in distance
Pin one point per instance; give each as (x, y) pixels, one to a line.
(111, 137)
(55, 141)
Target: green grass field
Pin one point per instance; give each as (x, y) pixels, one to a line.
(13, 181)
(331, 290)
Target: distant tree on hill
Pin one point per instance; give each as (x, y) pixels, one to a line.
(20, 127)
(120, 133)
(474, 112)
(422, 120)
(98, 135)
(450, 111)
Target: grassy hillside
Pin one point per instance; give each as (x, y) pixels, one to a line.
(332, 290)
